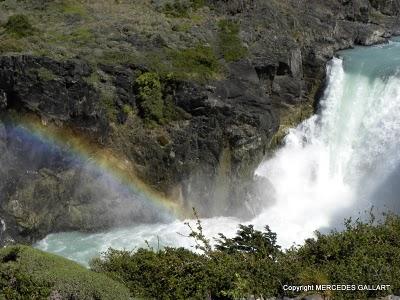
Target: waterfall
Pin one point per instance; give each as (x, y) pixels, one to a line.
(335, 164)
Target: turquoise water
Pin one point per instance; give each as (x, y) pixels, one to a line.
(379, 61)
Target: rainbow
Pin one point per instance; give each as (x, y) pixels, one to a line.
(87, 150)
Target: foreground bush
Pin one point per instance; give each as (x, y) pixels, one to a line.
(27, 273)
(252, 264)
(364, 253)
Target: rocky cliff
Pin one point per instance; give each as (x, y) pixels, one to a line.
(191, 93)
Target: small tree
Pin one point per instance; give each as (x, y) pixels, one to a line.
(251, 241)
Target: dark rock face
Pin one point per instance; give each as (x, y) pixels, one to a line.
(387, 7)
(236, 121)
(205, 159)
(54, 90)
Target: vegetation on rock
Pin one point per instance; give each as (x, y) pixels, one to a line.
(107, 104)
(196, 63)
(150, 96)
(154, 106)
(45, 74)
(72, 7)
(27, 273)
(182, 9)
(229, 41)
(10, 45)
(252, 264)
(19, 26)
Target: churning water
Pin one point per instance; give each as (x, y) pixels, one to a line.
(337, 163)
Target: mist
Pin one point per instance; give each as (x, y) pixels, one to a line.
(54, 187)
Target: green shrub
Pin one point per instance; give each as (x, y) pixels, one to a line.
(252, 257)
(11, 44)
(150, 101)
(19, 26)
(82, 36)
(108, 105)
(230, 45)
(46, 74)
(177, 9)
(196, 4)
(197, 63)
(182, 8)
(154, 106)
(177, 273)
(27, 273)
(115, 57)
(79, 36)
(165, 274)
(249, 240)
(127, 109)
(72, 7)
(365, 253)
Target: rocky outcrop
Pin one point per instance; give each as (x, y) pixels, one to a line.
(54, 90)
(205, 157)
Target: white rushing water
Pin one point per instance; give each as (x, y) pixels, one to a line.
(333, 165)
